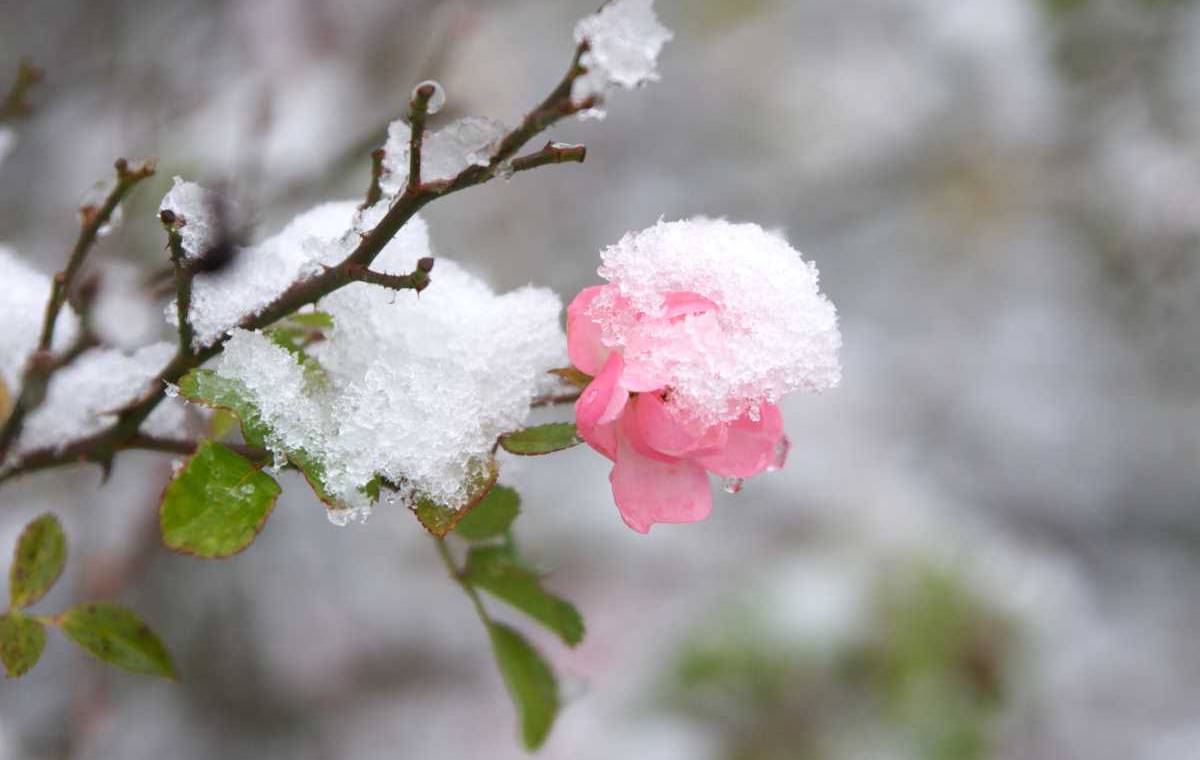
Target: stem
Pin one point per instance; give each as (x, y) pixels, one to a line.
(93, 220)
(183, 283)
(553, 153)
(457, 575)
(418, 110)
(375, 190)
(418, 280)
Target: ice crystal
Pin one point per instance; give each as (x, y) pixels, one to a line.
(624, 39)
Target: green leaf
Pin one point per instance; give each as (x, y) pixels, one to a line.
(37, 562)
(21, 642)
(439, 519)
(118, 637)
(492, 516)
(204, 386)
(498, 571)
(216, 504)
(542, 439)
(530, 683)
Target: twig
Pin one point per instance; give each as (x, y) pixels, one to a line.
(94, 220)
(461, 580)
(553, 153)
(418, 109)
(375, 190)
(183, 281)
(175, 446)
(554, 399)
(417, 280)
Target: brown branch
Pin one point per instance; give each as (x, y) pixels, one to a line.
(103, 445)
(553, 153)
(554, 399)
(187, 448)
(375, 190)
(183, 281)
(418, 109)
(417, 280)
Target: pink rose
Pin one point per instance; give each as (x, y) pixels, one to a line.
(703, 326)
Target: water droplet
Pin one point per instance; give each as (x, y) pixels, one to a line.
(171, 390)
(732, 485)
(781, 454)
(437, 100)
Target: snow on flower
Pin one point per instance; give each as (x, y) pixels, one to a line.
(414, 389)
(703, 327)
(624, 39)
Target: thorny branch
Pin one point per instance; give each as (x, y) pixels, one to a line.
(101, 447)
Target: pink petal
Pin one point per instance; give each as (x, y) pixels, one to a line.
(663, 432)
(600, 404)
(583, 334)
(750, 448)
(651, 490)
(685, 303)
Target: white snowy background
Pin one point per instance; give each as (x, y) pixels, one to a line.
(1003, 198)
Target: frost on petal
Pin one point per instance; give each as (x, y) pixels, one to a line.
(196, 208)
(23, 295)
(258, 274)
(470, 141)
(624, 39)
(771, 331)
(416, 390)
(84, 396)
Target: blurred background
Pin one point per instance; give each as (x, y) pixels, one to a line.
(987, 541)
